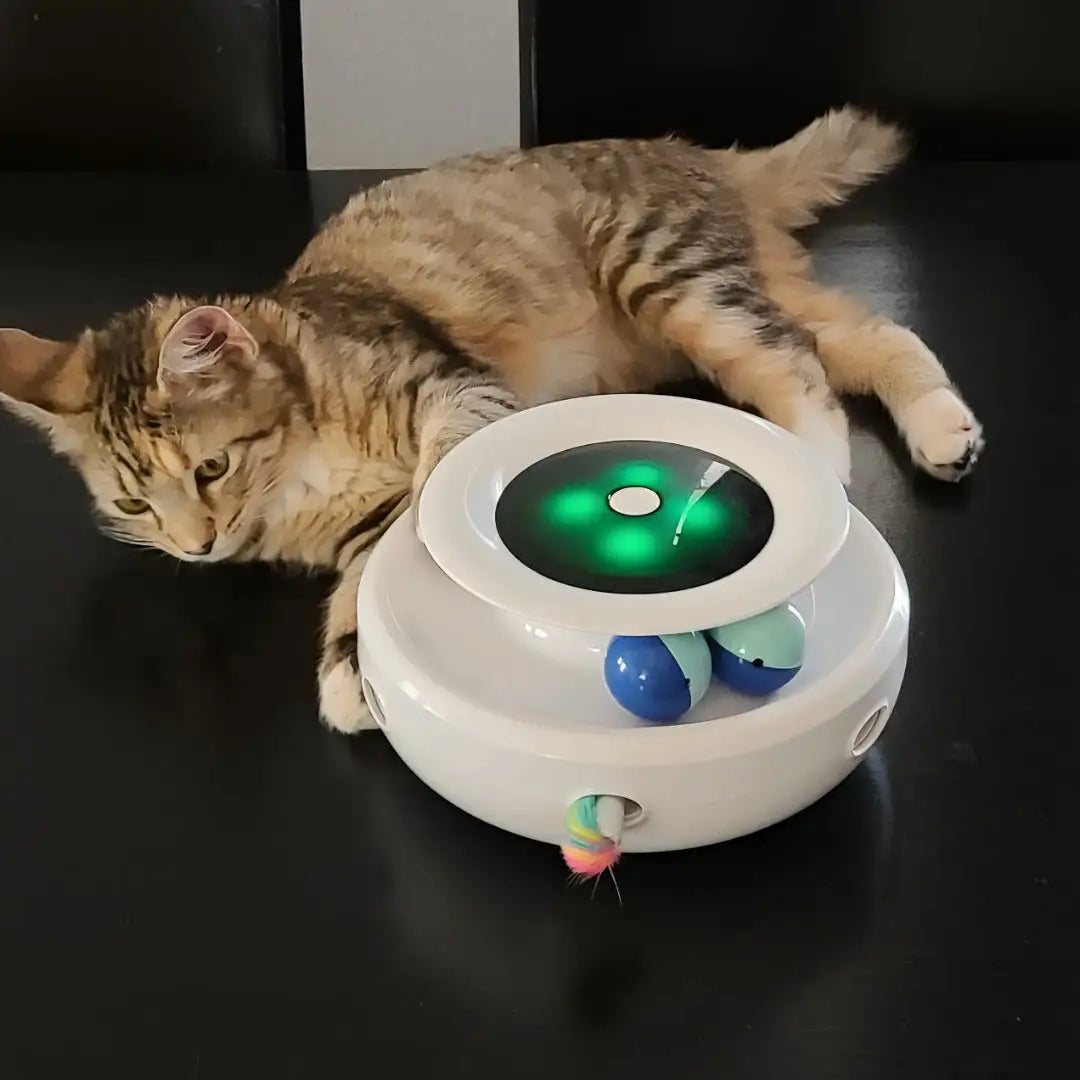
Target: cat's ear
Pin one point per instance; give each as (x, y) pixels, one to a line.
(203, 344)
(42, 381)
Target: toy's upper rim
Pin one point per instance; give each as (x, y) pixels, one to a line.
(456, 514)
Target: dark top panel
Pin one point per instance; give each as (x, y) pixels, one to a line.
(126, 84)
(702, 518)
(974, 80)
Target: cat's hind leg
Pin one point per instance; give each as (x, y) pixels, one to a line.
(869, 354)
(759, 356)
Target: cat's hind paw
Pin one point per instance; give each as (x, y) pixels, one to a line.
(942, 433)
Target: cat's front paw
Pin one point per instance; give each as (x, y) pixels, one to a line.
(341, 698)
(942, 433)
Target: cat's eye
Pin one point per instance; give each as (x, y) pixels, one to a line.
(132, 506)
(212, 468)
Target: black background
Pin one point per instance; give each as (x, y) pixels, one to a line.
(972, 79)
(140, 84)
(196, 880)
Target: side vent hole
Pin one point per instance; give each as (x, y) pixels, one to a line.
(373, 703)
(633, 813)
(868, 732)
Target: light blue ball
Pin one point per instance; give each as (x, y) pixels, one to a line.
(760, 654)
(658, 677)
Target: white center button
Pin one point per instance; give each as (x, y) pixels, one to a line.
(634, 501)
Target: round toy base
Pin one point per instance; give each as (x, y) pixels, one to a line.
(511, 721)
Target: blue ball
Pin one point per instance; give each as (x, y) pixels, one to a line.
(760, 654)
(747, 677)
(658, 677)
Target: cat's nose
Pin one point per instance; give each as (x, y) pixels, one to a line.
(203, 549)
(193, 538)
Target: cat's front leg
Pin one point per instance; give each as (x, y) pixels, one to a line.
(341, 693)
(454, 410)
(449, 407)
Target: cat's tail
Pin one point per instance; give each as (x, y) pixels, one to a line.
(817, 167)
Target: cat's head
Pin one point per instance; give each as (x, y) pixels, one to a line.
(177, 416)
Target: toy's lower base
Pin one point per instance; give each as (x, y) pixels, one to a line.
(511, 721)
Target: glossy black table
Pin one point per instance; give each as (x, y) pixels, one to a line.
(196, 880)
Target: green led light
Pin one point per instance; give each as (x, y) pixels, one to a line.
(630, 547)
(574, 506)
(706, 517)
(640, 474)
(557, 517)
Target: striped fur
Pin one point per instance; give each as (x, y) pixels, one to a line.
(297, 425)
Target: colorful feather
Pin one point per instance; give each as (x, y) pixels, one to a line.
(588, 852)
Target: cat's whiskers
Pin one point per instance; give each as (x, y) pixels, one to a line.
(125, 537)
(270, 485)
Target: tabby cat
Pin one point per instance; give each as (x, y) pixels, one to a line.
(297, 425)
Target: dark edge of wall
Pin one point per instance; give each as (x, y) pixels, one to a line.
(527, 67)
(290, 38)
